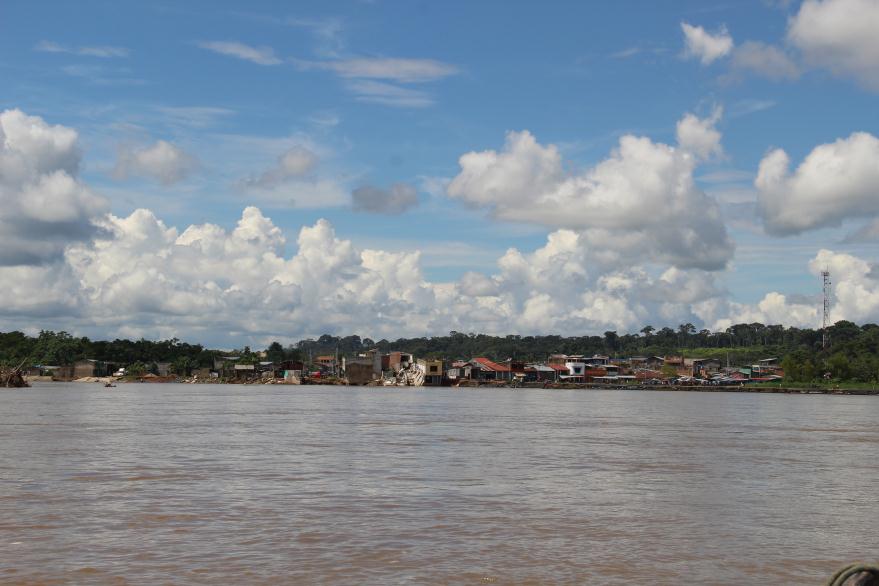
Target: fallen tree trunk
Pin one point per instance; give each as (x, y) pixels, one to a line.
(13, 377)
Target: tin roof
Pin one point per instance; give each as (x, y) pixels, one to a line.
(489, 365)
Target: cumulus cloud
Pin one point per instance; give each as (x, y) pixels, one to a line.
(259, 55)
(50, 292)
(559, 288)
(43, 204)
(855, 297)
(699, 135)
(640, 204)
(834, 182)
(704, 46)
(163, 162)
(398, 198)
(240, 282)
(243, 285)
(839, 35)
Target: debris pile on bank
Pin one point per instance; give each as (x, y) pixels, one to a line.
(12, 378)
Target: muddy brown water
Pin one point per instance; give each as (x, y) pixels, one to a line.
(203, 484)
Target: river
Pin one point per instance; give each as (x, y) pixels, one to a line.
(205, 484)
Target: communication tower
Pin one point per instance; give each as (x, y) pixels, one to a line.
(825, 338)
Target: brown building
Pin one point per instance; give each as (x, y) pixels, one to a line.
(433, 372)
(394, 361)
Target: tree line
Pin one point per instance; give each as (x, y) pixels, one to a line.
(852, 354)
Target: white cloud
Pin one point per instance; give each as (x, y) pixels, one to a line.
(219, 286)
(839, 35)
(163, 162)
(258, 55)
(705, 46)
(43, 205)
(640, 204)
(50, 292)
(239, 282)
(368, 78)
(377, 92)
(385, 68)
(750, 106)
(835, 181)
(699, 135)
(104, 51)
(398, 198)
(764, 60)
(855, 297)
(626, 53)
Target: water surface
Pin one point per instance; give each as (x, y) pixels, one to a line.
(204, 484)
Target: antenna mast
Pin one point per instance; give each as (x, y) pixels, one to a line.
(825, 339)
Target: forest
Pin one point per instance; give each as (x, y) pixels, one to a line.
(851, 353)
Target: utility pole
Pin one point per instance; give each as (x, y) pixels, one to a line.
(825, 338)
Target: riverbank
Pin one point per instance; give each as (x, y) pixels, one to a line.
(796, 390)
(764, 389)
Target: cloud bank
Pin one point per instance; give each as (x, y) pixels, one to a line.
(606, 264)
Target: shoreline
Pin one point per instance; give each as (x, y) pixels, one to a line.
(781, 390)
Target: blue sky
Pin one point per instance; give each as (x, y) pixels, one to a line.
(380, 93)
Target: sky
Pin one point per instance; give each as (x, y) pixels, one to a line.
(232, 174)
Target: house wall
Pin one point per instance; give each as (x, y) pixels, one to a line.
(360, 372)
(576, 368)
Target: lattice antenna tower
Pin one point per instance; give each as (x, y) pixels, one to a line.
(825, 338)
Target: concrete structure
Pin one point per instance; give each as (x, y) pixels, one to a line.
(576, 371)
(396, 361)
(433, 372)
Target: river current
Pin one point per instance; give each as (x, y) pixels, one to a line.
(205, 484)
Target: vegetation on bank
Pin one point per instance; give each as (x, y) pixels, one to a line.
(853, 354)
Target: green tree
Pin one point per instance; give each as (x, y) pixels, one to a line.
(839, 367)
(183, 366)
(793, 370)
(136, 369)
(275, 352)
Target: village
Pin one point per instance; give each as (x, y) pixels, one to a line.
(397, 368)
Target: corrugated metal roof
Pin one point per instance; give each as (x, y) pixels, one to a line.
(489, 365)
